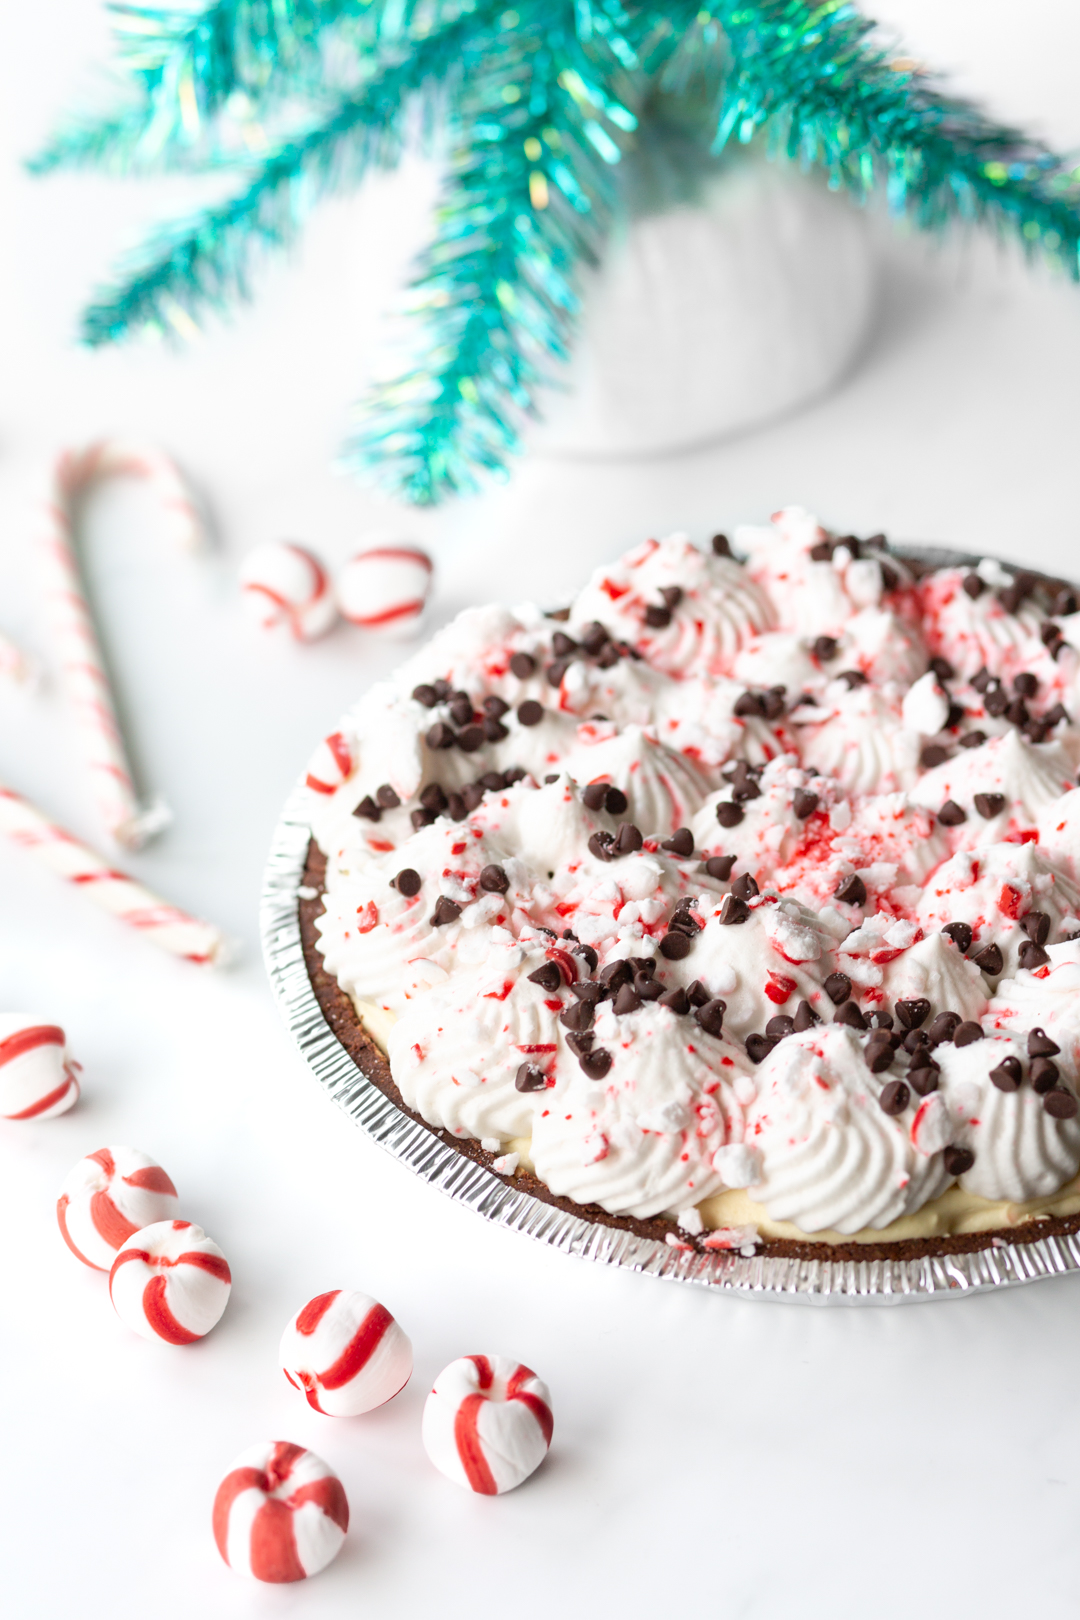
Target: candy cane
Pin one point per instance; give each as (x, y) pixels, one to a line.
(168, 927)
(76, 638)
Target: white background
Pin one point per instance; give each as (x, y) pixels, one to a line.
(712, 1456)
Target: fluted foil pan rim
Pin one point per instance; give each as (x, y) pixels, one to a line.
(758, 1276)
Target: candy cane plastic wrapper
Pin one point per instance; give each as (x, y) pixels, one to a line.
(77, 643)
(165, 925)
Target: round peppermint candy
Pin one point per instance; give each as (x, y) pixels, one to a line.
(109, 1195)
(385, 587)
(37, 1078)
(280, 1513)
(487, 1423)
(283, 584)
(170, 1282)
(346, 1352)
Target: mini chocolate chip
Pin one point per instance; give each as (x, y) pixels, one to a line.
(522, 665)
(879, 1055)
(848, 1013)
(913, 1011)
(1008, 1074)
(942, 669)
(676, 1001)
(684, 919)
(805, 1017)
(1018, 712)
(628, 839)
(697, 993)
(1032, 956)
(676, 945)
(996, 702)
(933, 755)
(472, 795)
(822, 551)
(954, 718)
(1056, 715)
(471, 739)
(426, 695)
(744, 887)
(982, 679)
(443, 690)
(944, 1027)
(719, 866)
(446, 911)
(580, 1042)
(837, 988)
(643, 964)
(627, 1000)
(1026, 684)
(750, 706)
(595, 1063)
(967, 1033)
(494, 879)
(824, 648)
(680, 843)
(461, 709)
(656, 617)
(745, 788)
(494, 730)
(1036, 925)
(733, 910)
(1060, 1104)
(441, 735)
(615, 801)
(973, 739)
(758, 1047)
(780, 1027)
(594, 638)
(773, 700)
(721, 545)
(894, 1097)
(433, 798)
(989, 805)
(602, 845)
(711, 1016)
(616, 974)
(804, 803)
(578, 1016)
(421, 818)
(386, 797)
(961, 935)
(648, 988)
(853, 678)
(588, 956)
(916, 1040)
(530, 1078)
(728, 814)
(951, 814)
(973, 586)
(1043, 1073)
(594, 797)
(588, 990)
(516, 773)
(958, 1160)
(455, 807)
(1065, 602)
(1039, 1044)
(496, 707)
(923, 1080)
(562, 645)
(608, 656)
(368, 809)
(990, 960)
(547, 976)
(1049, 632)
(555, 672)
(407, 882)
(1035, 731)
(852, 890)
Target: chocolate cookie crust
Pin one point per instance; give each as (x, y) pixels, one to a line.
(341, 1016)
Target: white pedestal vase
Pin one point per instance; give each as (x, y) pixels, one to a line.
(711, 318)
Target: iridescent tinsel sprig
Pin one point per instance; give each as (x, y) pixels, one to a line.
(537, 106)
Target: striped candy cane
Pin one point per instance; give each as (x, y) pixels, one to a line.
(77, 643)
(168, 927)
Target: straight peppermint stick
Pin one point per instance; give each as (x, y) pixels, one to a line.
(165, 925)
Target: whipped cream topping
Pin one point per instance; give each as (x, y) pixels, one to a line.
(654, 896)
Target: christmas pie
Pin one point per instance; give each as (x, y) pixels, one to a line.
(738, 903)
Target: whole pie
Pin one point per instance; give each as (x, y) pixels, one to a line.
(738, 902)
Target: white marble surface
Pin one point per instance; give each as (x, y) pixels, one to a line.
(711, 1455)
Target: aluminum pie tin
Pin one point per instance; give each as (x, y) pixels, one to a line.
(757, 1276)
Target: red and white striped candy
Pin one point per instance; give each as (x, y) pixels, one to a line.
(109, 1195)
(346, 1352)
(487, 1423)
(385, 587)
(282, 583)
(332, 763)
(170, 1282)
(280, 1513)
(37, 1078)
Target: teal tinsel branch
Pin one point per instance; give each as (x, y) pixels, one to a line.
(829, 97)
(190, 267)
(541, 99)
